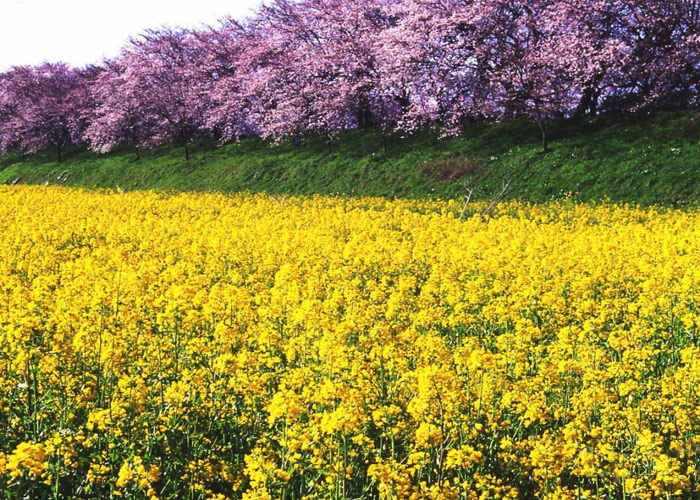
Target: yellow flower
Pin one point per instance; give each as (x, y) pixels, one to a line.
(324, 347)
(27, 457)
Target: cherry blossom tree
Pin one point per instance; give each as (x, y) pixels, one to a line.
(10, 137)
(356, 32)
(477, 59)
(347, 72)
(119, 117)
(42, 108)
(310, 66)
(633, 53)
(154, 93)
(664, 36)
(321, 66)
(587, 43)
(428, 58)
(284, 67)
(231, 112)
(528, 77)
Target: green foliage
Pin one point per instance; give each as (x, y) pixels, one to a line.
(645, 159)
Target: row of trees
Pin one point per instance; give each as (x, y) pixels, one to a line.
(323, 66)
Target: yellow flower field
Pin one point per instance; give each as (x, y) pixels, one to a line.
(247, 346)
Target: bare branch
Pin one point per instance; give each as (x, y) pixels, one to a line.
(488, 210)
(467, 197)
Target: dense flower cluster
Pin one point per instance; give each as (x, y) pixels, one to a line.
(298, 67)
(211, 346)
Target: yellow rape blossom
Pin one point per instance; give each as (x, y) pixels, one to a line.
(232, 346)
(27, 458)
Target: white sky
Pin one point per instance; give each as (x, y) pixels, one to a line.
(81, 32)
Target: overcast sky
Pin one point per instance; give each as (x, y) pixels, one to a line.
(81, 32)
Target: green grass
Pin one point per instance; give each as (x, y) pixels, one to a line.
(644, 159)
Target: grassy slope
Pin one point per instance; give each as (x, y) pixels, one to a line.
(640, 159)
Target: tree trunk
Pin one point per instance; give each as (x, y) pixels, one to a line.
(365, 119)
(543, 125)
(588, 105)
